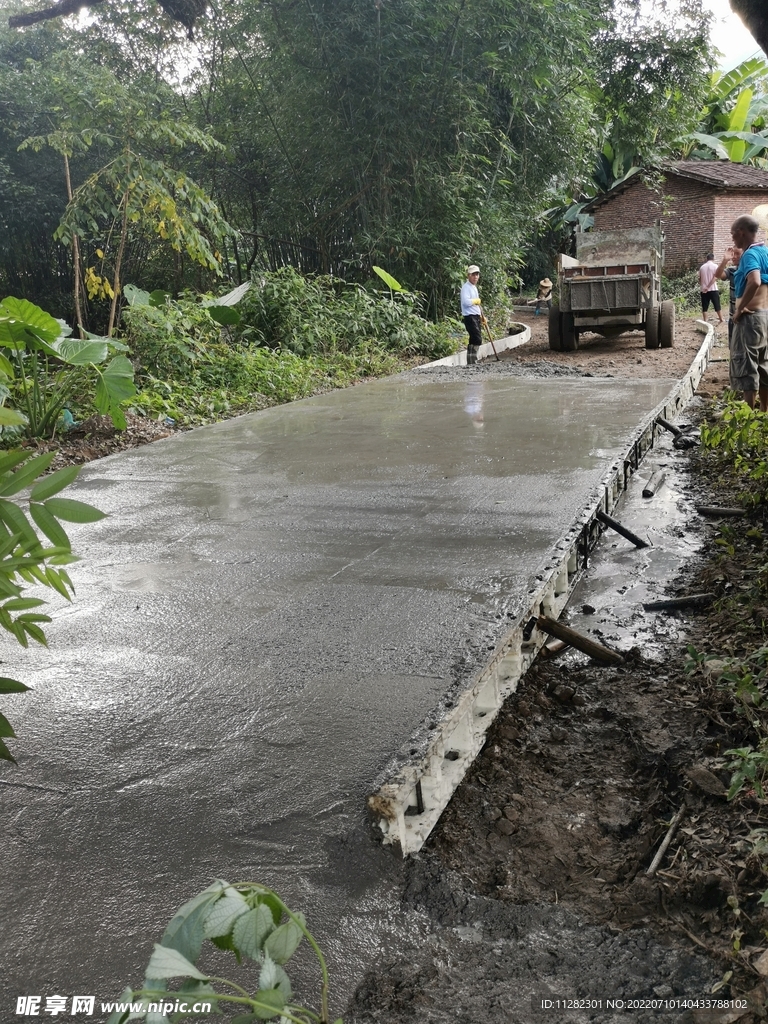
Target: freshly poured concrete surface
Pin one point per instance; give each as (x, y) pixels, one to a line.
(273, 606)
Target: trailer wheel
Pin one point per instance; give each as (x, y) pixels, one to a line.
(667, 324)
(555, 336)
(652, 327)
(570, 339)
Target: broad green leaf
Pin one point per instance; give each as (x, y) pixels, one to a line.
(54, 483)
(5, 754)
(11, 417)
(12, 686)
(115, 385)
(49, 525)
(388, 280)
(81, 352)
(24, 476)
(6, 730)
(22, 604)
(231, 298)
(224, 315)
(185, 931)
(270, 1003)
(283, 942)
(252, 929)
(33, 318)
(136, 296)
(73, 511)
(244, 1018)
(6, 367)
(158, 297)
(223, 914)
(169, 963)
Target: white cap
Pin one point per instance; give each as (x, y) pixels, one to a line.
(473, 269)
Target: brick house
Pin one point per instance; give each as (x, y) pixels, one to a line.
(697, 204)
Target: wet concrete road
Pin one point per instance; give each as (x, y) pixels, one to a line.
(272, 607)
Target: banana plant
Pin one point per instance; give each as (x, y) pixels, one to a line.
(47, 364)
(733, 121)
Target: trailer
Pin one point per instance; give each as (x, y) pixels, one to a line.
(611, 287)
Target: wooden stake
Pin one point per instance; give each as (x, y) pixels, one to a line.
(678, 602)
(614, 524)
(715, 510)
(654, 483)
(581, 643)
(667, 840)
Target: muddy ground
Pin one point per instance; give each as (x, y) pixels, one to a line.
(534, 885)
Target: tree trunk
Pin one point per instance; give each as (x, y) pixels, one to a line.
(75, 257)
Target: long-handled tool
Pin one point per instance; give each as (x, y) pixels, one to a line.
(490, 338)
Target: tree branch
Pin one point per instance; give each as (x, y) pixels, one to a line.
(57, 11)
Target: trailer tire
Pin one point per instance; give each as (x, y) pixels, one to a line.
(568, 334)
(652, 327)
(555, 335)
(667, 324)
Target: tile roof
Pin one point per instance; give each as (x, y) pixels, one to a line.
(720, 173)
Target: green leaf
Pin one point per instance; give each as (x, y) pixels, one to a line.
(22, 604)
(223, 914)
(12, 686)
(73, 511)
(388, 280)
(271, 1003)
(283, 942)
(169, 963)
(81, 352)
(23, 477)
(32, 318)
(34, 632)
(244, 1018)
(224, 315)
(54, 483)
(231, 298)
(54, 580)
(5, 753)
(9, 460)
(115, 386)
(49, 525)
(252, 929)
(273, 976)
(136, 296)
(14, 518)
(185, 932)
(11, 417)
(6, 730)
(158, 297)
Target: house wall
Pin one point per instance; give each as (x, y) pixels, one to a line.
(698, 218)
(729, 206)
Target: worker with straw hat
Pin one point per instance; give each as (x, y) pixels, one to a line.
(472, 313)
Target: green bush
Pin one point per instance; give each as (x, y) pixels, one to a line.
(227, 380)
(165, 340)
(686, 292)
(312, 315)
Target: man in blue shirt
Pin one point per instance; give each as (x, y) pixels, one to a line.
(749, 343)
(472, 312)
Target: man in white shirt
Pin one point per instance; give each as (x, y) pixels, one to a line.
(472, 313)
(708, 286)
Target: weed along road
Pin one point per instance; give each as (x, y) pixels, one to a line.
(274, 605)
